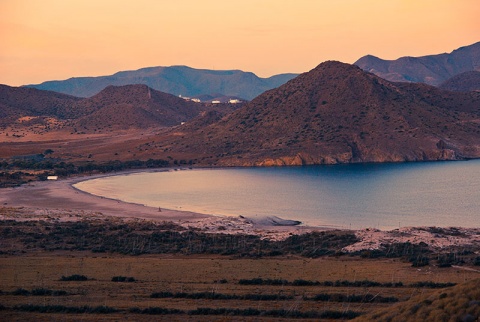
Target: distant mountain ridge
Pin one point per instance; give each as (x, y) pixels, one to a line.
(431, 69)
(175, 80)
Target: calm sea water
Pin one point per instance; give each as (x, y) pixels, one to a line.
(356, 196)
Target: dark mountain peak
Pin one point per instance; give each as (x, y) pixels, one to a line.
(430, 69)
(128, 94)
(330, 81)
(338, 113)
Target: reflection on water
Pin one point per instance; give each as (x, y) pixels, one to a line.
(356, 196)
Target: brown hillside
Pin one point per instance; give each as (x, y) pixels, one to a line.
(135, 106)
(338, 113)
(459, 303)
(115, 108)
(464, 82)
(16, 102)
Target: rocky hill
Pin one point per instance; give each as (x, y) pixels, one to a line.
(16, 102)
(176, 80)
(114, 108)
(464, 82)
(338, 113)
(432, 69)
(135, 106)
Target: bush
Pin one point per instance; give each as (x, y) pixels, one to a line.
(123, 279)
(43, 292)
(74, 277)
(21, 291)
(420, 261)
(432, 284)
(64, 309)
(156, 311)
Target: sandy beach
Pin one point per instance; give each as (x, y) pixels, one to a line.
(59, 200)
(61, 196)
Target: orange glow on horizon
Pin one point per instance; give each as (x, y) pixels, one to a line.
(53, 39)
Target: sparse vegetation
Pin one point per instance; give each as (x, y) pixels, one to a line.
(123, 279)
(37, 292)
(75, 277)
(22, 170)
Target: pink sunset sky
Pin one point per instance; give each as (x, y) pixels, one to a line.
(57, 39)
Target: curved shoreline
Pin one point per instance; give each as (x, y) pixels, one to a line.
(60, 201)
(62, 195)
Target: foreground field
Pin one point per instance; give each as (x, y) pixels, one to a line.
(23, 277)
(134, 270)
(74, 265)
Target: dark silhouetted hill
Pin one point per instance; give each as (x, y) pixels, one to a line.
(432, 69)
(116, 107)
(23, 101)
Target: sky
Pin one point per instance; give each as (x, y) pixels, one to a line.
(44, 40)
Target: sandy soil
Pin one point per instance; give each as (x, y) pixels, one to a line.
(435, 238)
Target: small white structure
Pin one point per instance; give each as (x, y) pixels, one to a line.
(196, 100)
(52, 178)
(234, 101)
(216, 102)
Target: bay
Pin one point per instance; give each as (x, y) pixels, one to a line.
(356, 196)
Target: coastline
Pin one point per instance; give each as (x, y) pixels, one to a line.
(62, 195)
(61, 201)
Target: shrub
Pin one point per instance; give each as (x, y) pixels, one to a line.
(123, 279)
(43, 292)
(20, 291)
(432, 284)
(74, 277)
(65, 309)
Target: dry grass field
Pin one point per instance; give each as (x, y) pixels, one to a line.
(22, 276)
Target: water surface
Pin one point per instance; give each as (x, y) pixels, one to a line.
(355, 196)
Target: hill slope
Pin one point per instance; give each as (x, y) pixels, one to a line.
(17, 102)
(432, 69)
(114, 108)
(176, 80)
(464, 82)
(135, 106)
(338, 113)
(458, 303)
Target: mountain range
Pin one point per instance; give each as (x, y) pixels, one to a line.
(176, 80)
(337, 113)
(431, 69)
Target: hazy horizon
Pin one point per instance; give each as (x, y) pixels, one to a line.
(56, 40)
